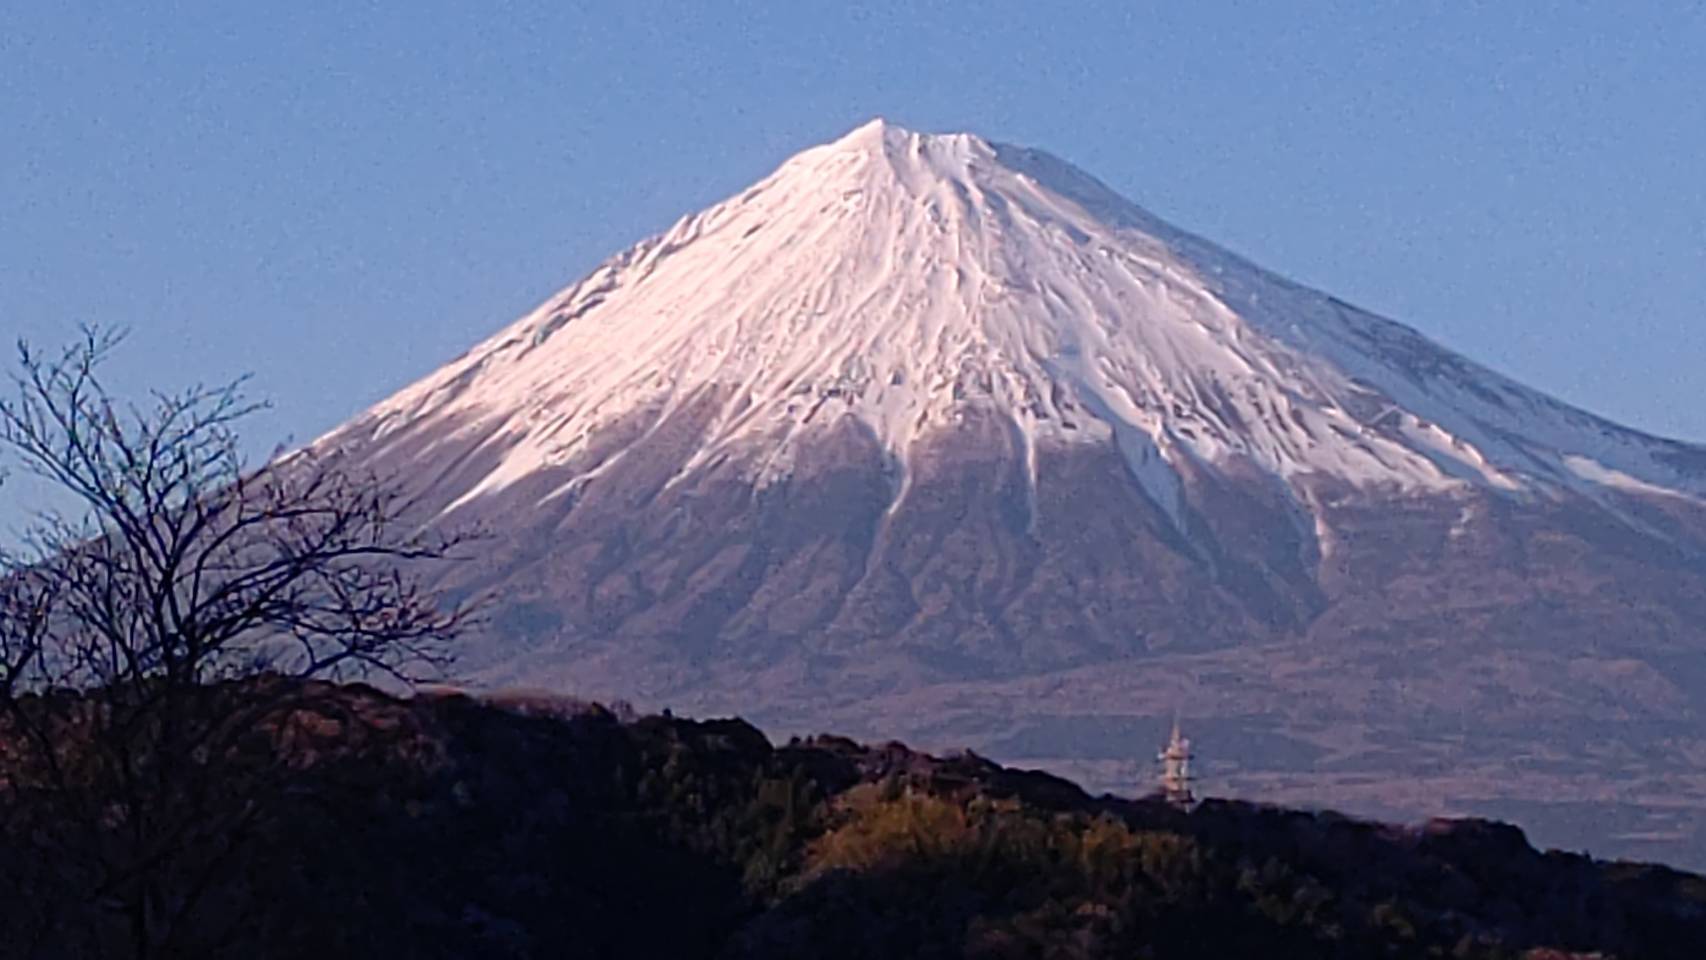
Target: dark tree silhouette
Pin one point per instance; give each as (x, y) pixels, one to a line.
(128, 622)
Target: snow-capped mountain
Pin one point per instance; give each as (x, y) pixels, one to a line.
(947, 422)
(897, 280)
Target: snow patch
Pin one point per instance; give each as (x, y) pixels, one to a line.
(1595, 472)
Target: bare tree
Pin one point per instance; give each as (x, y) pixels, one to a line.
(151, 634)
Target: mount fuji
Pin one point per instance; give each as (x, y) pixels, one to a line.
(932, 437)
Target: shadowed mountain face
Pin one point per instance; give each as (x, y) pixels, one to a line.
(928, 437)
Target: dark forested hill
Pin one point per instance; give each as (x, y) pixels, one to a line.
(446, 826)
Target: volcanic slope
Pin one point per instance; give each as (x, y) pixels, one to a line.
(928, 436)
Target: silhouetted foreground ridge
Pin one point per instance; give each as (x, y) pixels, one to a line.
(446, 826)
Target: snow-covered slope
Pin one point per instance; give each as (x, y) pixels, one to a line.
(903, 279)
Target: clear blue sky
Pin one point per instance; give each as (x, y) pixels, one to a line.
(338, 197)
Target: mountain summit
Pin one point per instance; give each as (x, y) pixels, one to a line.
(941, 426)
(899, 280)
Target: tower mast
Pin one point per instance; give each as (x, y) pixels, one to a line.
(1175, 762)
